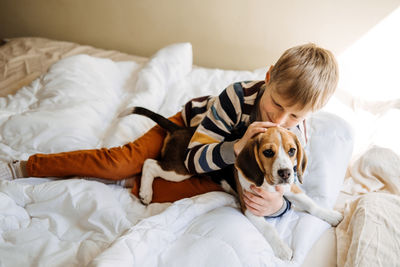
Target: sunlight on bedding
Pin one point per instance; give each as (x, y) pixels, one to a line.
(368, 97)
(368, 94)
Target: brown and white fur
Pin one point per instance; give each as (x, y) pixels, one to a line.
(267, 160)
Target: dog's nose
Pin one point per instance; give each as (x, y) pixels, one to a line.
(284, 173)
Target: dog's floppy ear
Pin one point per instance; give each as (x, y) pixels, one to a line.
(247, 162)
(301, 159)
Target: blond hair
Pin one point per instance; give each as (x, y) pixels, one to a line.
(307, 75)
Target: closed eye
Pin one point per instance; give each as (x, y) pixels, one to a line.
(276, 104)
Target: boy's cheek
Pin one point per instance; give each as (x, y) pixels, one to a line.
(292, 123)
(289, 125)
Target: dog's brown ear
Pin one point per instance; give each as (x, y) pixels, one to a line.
(301, 159)
(247, 162)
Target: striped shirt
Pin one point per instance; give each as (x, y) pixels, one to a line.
(221, 121)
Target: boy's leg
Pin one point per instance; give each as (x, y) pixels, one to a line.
(17, 169)
(112, 164)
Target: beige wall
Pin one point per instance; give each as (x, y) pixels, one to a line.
(237, 34)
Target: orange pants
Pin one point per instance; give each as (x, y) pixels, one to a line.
(120, 163)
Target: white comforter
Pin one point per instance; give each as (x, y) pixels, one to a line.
(78, 222)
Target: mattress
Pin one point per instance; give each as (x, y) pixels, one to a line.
(77, 222)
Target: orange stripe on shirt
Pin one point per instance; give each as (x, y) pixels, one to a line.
(203, 139)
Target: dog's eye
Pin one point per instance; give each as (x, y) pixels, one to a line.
(292, 151)
(268, 153)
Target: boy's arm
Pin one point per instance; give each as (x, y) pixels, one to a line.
(207, 150)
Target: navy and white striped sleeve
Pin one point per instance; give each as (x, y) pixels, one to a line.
(207, 150)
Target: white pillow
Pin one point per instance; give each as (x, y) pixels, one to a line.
(329, 150)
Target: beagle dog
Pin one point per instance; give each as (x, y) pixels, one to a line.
(267, 160)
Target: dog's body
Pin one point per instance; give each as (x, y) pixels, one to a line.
(267, 160)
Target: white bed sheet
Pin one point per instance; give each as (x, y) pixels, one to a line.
(77, 222)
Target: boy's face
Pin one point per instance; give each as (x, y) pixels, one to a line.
(275, 108)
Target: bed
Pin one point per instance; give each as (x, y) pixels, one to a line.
(60, 96)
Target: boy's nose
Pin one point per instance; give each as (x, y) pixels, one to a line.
(280, 118)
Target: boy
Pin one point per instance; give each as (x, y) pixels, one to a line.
(301, 82)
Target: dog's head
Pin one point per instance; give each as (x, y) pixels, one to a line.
(271, 156)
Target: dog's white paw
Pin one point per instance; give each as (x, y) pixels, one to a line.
(333, 217)
(146, 196)
(284, 252)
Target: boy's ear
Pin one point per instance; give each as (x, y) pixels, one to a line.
(268, 75)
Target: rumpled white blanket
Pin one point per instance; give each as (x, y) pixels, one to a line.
(369, 234)
(378, 169)
(77, 222)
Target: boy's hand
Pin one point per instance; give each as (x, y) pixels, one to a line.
(253, 129)
(263, 203)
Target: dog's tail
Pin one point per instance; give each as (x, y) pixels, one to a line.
(160, 120)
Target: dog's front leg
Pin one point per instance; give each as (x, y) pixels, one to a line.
(269, 232)
(302, 202)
